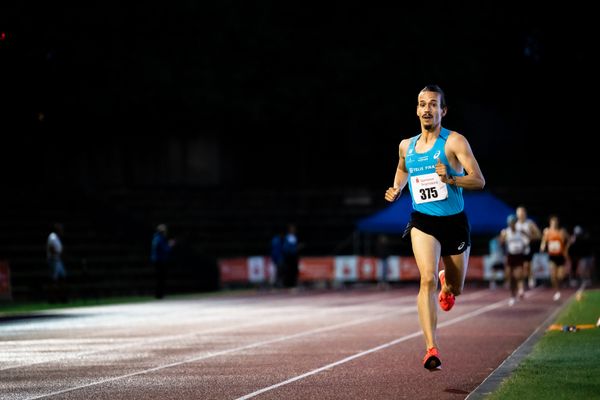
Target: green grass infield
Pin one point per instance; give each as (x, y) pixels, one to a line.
(563, 364)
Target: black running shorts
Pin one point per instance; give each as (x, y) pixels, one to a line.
(515, 260)
(558, 260)
(452, 231)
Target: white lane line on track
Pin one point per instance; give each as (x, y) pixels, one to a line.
(108, 348)
(349, 308)
(374, 349)
(121, 346)
(404, 310)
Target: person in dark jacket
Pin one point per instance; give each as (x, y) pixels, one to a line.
(159, 257)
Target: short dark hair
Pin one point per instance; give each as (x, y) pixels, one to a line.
(436, 89)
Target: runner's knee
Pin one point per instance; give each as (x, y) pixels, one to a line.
(428, 281)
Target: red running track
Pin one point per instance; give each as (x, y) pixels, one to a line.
(346, 344)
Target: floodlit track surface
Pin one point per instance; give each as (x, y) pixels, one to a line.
(344, 344)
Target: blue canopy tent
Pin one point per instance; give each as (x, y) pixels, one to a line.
(487, 215)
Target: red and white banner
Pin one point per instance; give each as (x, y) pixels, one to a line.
(316, 269)
(260, 269)
(234, 270)
(346, 269)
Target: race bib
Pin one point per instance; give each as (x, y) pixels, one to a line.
(516, 247)
(554, 246)
(427, 188)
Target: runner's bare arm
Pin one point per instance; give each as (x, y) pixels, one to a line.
(401, 175)
(543, 242)
(502, 236)
(461, 150)
(535, 231)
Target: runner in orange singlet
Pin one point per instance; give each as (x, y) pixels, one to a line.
(554, 242)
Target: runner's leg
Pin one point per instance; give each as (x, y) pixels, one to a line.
(427, 251)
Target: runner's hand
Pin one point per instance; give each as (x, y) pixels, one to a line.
(440, 169)
(392, 194)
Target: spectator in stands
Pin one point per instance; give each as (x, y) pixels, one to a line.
(581, 256)
(277, 257)
(160, 255)
(290, 257)
(554, 241)
(58, 273)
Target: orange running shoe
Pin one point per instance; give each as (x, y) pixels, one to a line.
(445, 299)
(431, 361)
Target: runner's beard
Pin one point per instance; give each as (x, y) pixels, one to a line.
(428, 125)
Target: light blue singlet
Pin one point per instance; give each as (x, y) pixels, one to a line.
(418, 164)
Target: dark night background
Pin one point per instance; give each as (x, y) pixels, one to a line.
(325, 92)
(283, 100)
